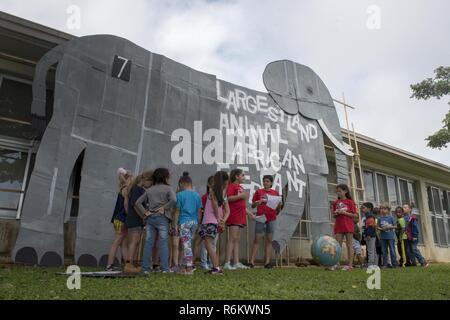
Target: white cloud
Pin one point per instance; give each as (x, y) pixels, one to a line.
(236, 39)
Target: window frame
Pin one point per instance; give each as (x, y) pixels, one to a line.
(21, 80)
(10, 145)
(435, 216)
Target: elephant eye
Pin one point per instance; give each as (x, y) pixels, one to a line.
(309, 90)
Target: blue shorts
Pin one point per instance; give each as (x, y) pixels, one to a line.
(267, 227)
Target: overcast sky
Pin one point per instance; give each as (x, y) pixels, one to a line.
(373, 61)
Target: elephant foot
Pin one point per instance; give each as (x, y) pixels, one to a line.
(39, 248)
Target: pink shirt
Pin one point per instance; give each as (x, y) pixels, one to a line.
(208, 213)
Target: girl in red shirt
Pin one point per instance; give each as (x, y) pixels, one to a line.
(344, 211)
(237, 200)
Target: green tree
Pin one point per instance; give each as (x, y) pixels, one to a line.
(436, 87)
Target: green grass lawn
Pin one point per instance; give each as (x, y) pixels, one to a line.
(17, 282)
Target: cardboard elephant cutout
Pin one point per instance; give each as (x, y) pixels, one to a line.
(119, 105)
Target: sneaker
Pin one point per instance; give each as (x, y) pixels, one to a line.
(251, 265)
(216, 272)
(174, 269)
(227, 266)
(425, 265)
(112, 267)
(205, 267)
(188, 273)
(268, 266)
(347, 268)
(146, 272)
(240, 266)
(333, 268)
(130, 268)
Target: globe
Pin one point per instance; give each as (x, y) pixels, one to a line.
(326, 251)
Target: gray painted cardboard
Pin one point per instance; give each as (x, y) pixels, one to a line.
(162, 113)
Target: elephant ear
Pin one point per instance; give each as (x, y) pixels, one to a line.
(279, 87)
(297, 88)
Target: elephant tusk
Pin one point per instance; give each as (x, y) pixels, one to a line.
(344, 147)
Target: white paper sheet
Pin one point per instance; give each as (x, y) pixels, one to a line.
(261, 219)
(273, 201)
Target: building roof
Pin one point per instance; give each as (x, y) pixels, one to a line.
(25, 41)
(380, 152)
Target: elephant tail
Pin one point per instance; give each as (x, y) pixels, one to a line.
(38, 106)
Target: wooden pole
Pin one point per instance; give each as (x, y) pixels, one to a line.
(352, 167)
(358, 159)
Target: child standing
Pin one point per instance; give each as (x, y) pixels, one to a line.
(187, 216)
(407, 216)
(118, 220)
(401, 236)
(356, 244)
(370, 233)
(159, 196)
(376, 213)
(344, 210)
(412, 230)
(237, 220)
(174, 240)
(386, 225)
(215, 214)
(135, 220)
(259, 201)
(206, 263)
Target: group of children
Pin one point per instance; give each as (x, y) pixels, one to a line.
(147, 202)
(380, 231)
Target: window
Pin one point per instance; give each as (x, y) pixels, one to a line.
(13, 165)
(383, 195)
(412, 194)
(15, 107)
(392, 192)
(446, 206)
(404, 191)
(445, 202)
(438, 205)
(369, 186)
(359, 186)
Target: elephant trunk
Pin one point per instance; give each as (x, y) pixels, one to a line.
(38, 106)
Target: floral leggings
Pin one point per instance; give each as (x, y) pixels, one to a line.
(187, 232)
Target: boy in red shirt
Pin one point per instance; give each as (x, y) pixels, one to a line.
(259, 201)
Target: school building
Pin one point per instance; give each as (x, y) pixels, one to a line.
(383, 172)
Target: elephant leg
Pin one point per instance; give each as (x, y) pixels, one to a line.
(41, 235)
(288, 220)
(319, 209)
(98, 194)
